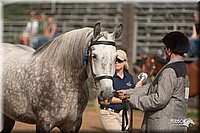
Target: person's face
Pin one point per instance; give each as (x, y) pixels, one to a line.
(42, 18)
(167, 53)
(31, 18)
(196, 18)
(119, 64)
(50, 19)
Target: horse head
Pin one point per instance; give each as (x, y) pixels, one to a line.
(152, 64)
(101, 57)
(148, 65)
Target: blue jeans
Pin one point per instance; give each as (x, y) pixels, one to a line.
(194, 48)
(38, 41)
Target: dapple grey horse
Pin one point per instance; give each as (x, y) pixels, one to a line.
(46, 87)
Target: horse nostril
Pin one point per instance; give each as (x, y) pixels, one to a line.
(101, 97)
(104, 95)
(101, 94)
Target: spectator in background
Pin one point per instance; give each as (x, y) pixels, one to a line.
(42, 23)
(41, 31)
(194, 39)
(30, 30)
(50, 31)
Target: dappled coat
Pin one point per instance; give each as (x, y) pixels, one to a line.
(164, 101)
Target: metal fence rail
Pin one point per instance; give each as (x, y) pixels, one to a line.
(152, 20)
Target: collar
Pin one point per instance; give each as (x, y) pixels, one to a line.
(175, 60)
(116, 76)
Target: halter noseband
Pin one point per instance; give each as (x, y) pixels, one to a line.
(103, 43)
(98, 78)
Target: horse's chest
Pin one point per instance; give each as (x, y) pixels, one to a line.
(66, 104)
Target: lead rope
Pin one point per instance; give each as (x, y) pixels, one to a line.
(131, 119)
(125, 116)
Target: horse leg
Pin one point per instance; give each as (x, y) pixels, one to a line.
(75, 129)
(8, 125)
(77, 126)
(42, 128)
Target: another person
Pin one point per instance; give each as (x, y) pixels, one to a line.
(50, 31)
(111, 115)
(165, 100)
(41, 31)
(30, 30)
(195, 37)
(42, 23)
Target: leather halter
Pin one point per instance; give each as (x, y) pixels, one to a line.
(98, 78)
(102, 42)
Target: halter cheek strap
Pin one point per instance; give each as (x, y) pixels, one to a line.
(96, 43)
(88, 56)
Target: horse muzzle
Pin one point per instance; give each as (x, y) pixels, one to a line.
(105, 91)
(103, 100)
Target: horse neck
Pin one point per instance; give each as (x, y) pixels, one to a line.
(65, 54)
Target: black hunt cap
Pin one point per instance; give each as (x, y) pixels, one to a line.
(177, 42)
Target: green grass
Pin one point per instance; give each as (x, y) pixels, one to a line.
(90, 104)
(193, 113)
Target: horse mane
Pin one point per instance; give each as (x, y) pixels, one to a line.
(160, 59)
(66, 50)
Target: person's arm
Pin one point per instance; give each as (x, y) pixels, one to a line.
(159, 99)
(28, 26)
(45, 28)
(35, 26)
(138, 84)
(194, 33)
(140, 91)
(46, 31)
(52, 32)
(116, 100)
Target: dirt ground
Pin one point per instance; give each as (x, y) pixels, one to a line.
(91, 122)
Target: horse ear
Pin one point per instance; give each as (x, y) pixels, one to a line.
(117, 33)
(97, 29)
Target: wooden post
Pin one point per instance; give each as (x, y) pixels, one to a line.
(1, 64)
(1, 22)
(128, 34)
